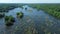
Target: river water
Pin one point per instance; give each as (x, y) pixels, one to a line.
(33, 22)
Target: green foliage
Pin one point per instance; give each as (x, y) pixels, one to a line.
(52, 9)
(1, 15)
(6, 7)
(36, 6)
(20, 14)
(9, 20)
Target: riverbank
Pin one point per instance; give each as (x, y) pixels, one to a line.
(7, 7)
(52, 9)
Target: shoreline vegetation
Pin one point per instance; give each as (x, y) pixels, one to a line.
(7, 7)
(25, 24)
(9, 20)
(52, 9)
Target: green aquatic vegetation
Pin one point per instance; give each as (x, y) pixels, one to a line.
(43, 28)
(11, 7)
(4, 9)
(6, 18)
(30, 11)
(46, 30)
(53, 10)
(21, 7)
(28, 20)
(48, 33)
(20, 14)
(2, 15)
(30, 30)
(37, 6)
(16, 28)
(9, 20)
(49, 23)
(7, 7)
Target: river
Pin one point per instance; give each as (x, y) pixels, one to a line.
(33, 22)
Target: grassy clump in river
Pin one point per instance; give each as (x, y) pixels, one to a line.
(53, 9)
(20, 14)
(2, 15)
(9, 20)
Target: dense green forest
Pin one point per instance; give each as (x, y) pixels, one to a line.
(53, 9)
(6, 7)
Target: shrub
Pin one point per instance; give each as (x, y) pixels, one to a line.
(2, 15)
(9, 20)
(20, 14)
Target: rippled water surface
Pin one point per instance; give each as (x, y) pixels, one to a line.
(33, 22)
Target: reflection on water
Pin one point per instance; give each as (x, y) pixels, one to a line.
(33, 22)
